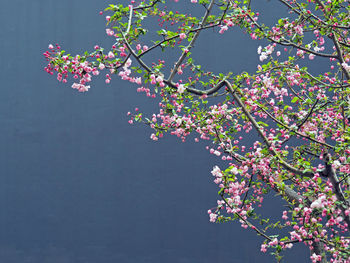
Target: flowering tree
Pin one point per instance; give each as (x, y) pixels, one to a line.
(299, 119)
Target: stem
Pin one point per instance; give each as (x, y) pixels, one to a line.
(129, 21)
(262, 135)
(259, 232)
(183, 55)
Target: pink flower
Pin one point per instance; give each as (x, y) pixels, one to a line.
(336, 164)
(316, 204)
(315, 258)
(223, 29)
(213, 217)
(181, 89)
(109, 32)
(178, 122)
(154, 137)
(182, 36)
(263, 248)
(346, 66)
(84, 88)
(80, 87)
(159, 79)
(138, 81)
(128, 63)
(110, 54)
(216, 171)
(263, 56)
(299, 29)
(321, 41)
(234, 170)
(217, 153)
(75, 86)
(300, 52)
(259, 50)
(229, 23)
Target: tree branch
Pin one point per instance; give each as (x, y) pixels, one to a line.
(183, 55)
(331, 174)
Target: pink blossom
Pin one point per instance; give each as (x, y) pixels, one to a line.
(217, 153)
(300, 53)
(95, 72)
(234, 170)
(336, 164)
(110, 54)
(128, 63)
(216, 171)
(229, 23)
(154, 137)
(109, 32)
(315, 258)
(223, 29)
(259, 50)
(138, 81)
(263, 56)
(181, 89)
(346, 66)
(299, 29)
(80, 87)
(159, 79)
(101, 66)
(213, 217)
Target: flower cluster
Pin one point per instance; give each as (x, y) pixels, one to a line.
(282, 128)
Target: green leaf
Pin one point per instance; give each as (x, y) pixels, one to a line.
(295, 99)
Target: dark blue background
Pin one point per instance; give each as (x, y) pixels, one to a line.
(77, 182)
